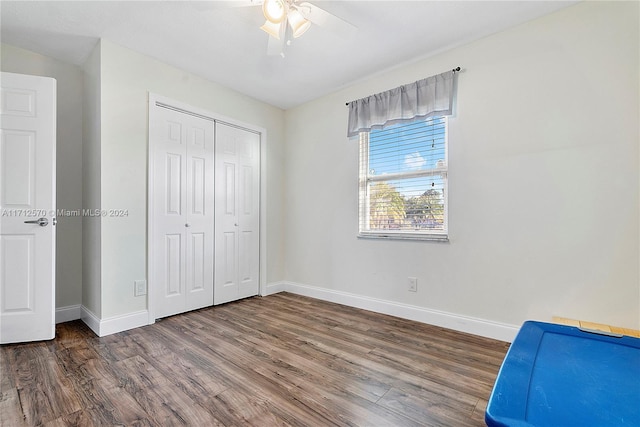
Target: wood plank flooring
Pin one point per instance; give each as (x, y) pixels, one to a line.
(282, 360)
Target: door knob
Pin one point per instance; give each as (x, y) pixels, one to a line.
(42, 222)
(187, 225)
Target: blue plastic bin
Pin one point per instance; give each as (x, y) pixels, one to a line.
(555, 375)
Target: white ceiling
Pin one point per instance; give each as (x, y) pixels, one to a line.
(222, 42)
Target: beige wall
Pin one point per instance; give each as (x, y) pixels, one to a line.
(68, 163)
(544, 180)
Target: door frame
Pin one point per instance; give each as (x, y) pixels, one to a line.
(159, 101)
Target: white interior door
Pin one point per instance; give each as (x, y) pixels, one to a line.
(27, 204)
(237, 217)
(182, 155)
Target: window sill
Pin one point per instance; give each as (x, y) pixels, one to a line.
(405, 236)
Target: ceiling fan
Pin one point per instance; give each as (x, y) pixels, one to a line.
(289, 19)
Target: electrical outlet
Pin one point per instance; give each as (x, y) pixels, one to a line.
(139, 288)
(413, 284)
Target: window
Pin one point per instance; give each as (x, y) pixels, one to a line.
(403, 181)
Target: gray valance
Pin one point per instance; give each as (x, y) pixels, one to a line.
(411, 102)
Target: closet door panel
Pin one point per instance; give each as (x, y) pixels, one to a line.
(199, 227)
(197, 262)
(168, 205)
(174, 187)
(237, 216)
(249, 200)
(226, 218)
(174, 254)
(182, 227)
(197, 250)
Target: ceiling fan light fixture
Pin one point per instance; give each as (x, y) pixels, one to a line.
(272, 29)
(274, 10)
(299, 25)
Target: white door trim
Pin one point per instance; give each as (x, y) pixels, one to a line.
(159, 101)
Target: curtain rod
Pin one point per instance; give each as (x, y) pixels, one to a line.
(455, 70)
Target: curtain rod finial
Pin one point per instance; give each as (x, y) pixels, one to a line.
(455, 70)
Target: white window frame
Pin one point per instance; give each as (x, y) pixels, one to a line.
(363, 195)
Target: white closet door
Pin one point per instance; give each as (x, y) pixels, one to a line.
(200, 214)
(237, 213)
(182, 211)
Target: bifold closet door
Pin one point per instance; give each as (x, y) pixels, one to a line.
(183, 211)
(237, 213)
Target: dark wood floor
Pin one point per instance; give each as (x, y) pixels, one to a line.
(279, 360)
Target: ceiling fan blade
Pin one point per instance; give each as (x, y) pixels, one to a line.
(326, 20)
(216, 5)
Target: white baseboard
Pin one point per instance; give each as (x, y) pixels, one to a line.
(472, 325)
(274, 288)
(68, 313)
(90, 319)
(114, 324)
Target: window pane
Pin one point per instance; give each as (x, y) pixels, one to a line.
(407, 147)
(409, 205)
